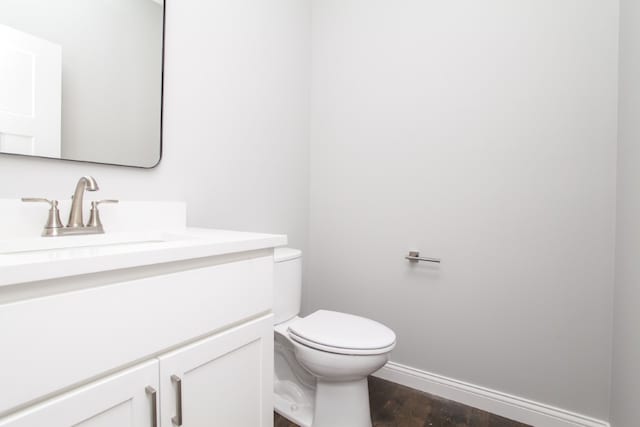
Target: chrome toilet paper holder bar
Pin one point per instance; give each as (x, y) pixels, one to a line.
(414, 256)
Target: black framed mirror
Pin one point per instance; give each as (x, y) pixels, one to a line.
(82, 80)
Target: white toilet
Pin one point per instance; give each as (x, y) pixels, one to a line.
(322, 361)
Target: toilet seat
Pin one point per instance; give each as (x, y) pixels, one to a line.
(342, 333)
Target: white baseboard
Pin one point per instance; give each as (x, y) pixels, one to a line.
(505, 405)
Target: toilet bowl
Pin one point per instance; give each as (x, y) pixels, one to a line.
(322, 361)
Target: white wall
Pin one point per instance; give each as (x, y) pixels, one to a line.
(111, 73)
(626, 349)
(482, 132)
(236, 123)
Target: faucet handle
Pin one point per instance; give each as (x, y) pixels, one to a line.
(39, 199)
(94, 218)
(53, 225)
(99, 202)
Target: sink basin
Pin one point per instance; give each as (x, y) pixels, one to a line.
(49, 249)
(61, 244)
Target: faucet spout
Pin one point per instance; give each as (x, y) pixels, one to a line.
(86, 183)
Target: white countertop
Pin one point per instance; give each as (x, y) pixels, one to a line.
(44, 258)
(137, 234)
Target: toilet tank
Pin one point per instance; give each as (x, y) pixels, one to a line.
(287, 287)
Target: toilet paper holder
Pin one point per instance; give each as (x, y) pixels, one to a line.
(414, 256)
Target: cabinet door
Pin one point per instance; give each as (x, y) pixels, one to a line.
(124, 399)
(223, 380)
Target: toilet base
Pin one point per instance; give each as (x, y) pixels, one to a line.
(293, 402)
(342, 404)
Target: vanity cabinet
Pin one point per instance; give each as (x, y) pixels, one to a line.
(222, 380)
(194, 338)
(69, 337)
(124, 400)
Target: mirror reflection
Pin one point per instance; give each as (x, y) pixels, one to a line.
(82, 80)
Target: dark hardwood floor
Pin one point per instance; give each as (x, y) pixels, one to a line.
(393, 405)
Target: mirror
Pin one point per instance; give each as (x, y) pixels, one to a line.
(82, 80)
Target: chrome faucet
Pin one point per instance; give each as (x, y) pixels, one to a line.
(76, 224)
(86, 183)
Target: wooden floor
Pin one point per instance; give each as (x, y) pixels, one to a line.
(393, 405)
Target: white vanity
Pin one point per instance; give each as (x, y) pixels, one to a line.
(150, 324)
